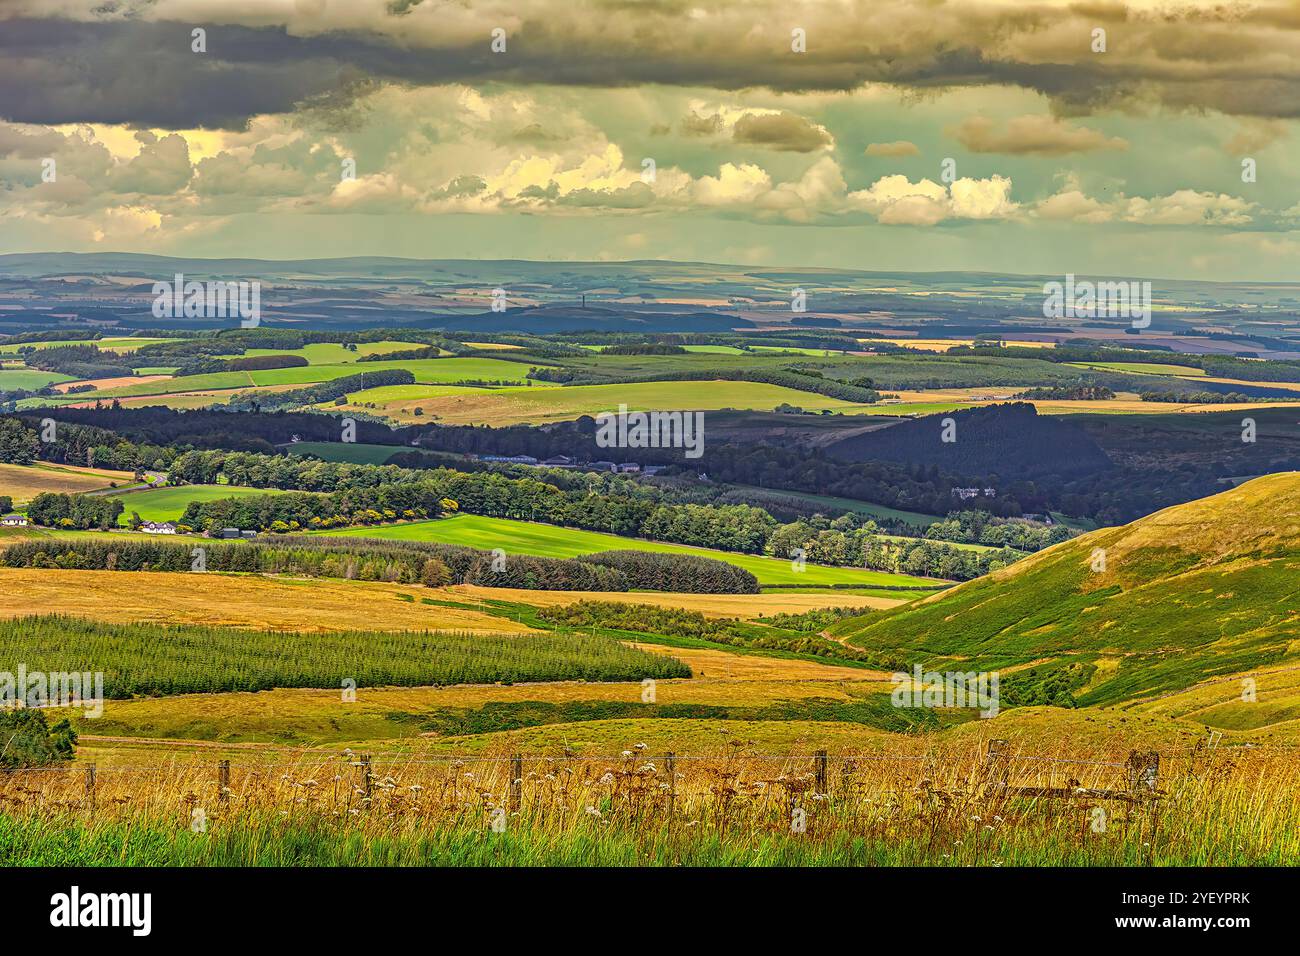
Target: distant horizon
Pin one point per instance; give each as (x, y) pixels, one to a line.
(649, 262)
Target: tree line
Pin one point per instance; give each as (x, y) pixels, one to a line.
(431, 564)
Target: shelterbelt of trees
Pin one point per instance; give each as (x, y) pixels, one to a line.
(429, 563)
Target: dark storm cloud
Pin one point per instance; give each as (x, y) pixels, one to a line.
(57, 71)
(123, 67)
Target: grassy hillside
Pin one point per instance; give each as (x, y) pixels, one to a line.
(1193, 592)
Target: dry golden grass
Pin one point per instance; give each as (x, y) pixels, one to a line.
(238, 600)
(728, 666)
(1289, 386)
(907, 802)
(745, 606)
(22, 483)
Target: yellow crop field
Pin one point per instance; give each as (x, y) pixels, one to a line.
(230, 599)
(541, 404)
(943, 345)
(24, 482)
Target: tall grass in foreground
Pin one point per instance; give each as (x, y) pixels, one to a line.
(933, 807)
(152, 659)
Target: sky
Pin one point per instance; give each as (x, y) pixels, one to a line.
(1094, 137)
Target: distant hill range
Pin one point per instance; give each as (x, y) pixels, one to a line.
(546, 319)
(1188, 594)
(1009, 439)
(648, 295)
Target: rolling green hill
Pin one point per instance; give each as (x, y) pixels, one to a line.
(1194, 592)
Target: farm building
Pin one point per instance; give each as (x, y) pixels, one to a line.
(14, 521)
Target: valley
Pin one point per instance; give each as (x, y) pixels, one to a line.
(339, 571)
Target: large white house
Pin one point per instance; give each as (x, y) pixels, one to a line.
(158, 527)
(14, 521)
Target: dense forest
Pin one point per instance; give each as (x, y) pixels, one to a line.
(1005, 439)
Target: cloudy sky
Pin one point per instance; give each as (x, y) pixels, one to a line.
(1101, 136)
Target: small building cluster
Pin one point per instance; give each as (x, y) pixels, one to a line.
(1040, 519)
(564, 461)
(964, 493)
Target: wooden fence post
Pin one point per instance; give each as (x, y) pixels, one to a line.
(997, 763)
(821, 764)
(90, 787)
(516, 782)
(366, 779)
(223, 782)
(670, 766)
(1143, 768)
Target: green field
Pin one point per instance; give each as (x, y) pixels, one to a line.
(1141, 368)
(331, 353)
(548, 541)
(385, 394)
(29, 379)
(168, 503)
